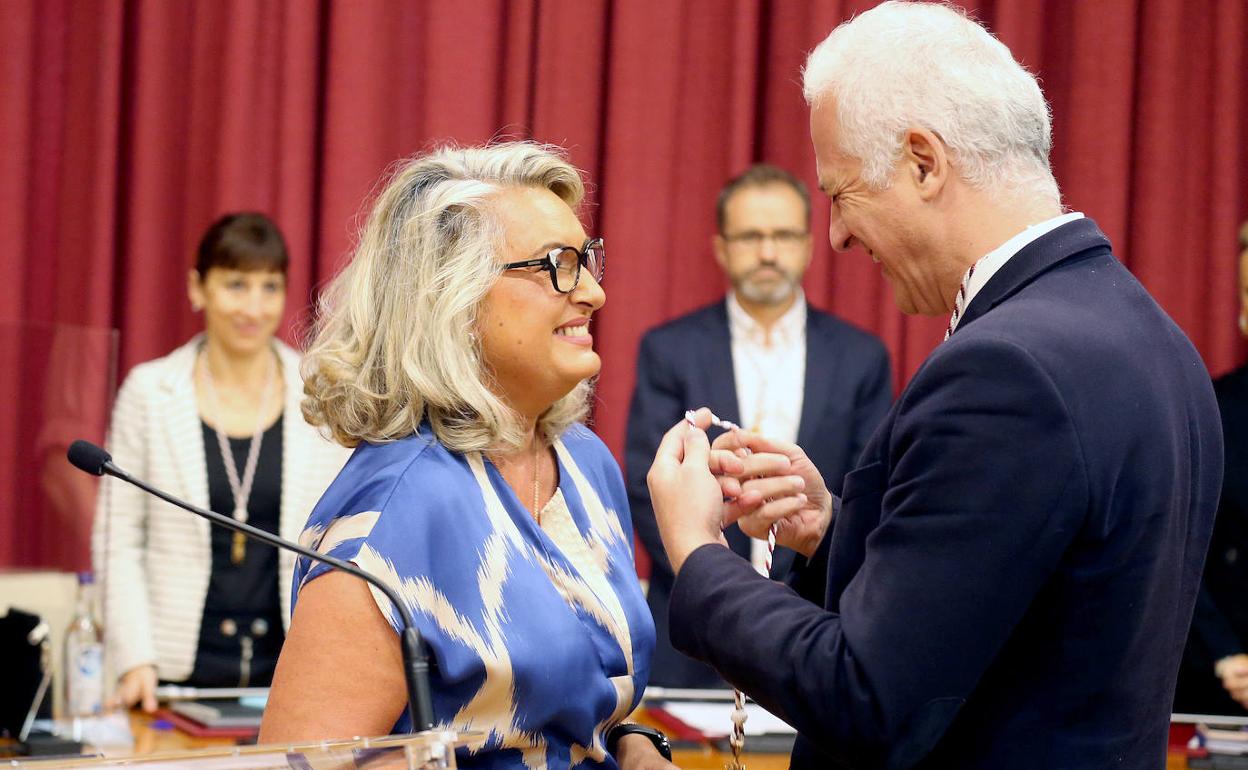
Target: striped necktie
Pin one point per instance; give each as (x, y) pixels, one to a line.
(959, 304)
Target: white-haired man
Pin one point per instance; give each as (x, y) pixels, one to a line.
(1008, 577)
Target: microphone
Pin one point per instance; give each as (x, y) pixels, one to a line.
(88, 457)
(95, 460)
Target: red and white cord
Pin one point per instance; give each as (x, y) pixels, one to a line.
(737, 740)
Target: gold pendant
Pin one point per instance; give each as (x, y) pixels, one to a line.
(238, 549)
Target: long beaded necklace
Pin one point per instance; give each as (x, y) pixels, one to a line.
(737, 740)
(240, 488)
(537, 512)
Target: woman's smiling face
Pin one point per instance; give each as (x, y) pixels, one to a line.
(535, 341)
(242, 308)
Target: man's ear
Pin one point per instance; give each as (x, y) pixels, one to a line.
(926, 161)
(720, 248)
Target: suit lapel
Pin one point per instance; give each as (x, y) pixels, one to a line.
(721, 387)
(716, 365)
(819, 384)
(818, 381)
(1039, 256)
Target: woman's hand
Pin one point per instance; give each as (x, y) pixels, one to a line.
(684, 492)
(138, 686)
(636, 752)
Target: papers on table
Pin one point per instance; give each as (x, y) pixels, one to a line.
(714, 719)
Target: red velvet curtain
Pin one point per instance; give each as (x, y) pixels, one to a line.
(128, 125)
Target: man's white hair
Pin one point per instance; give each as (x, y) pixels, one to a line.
(908, 65)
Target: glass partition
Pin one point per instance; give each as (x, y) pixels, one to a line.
(56, 384)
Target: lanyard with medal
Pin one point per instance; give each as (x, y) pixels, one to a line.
(737, 740)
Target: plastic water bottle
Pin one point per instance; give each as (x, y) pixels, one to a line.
(84, 657)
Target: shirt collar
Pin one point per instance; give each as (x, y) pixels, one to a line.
(990, 263)
(787, 328)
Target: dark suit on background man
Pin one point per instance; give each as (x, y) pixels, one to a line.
(687, 363)
(1011, 569)
(1220, 621)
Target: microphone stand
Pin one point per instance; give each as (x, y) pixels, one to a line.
(415, 662)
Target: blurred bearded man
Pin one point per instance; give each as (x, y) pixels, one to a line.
(751, 358)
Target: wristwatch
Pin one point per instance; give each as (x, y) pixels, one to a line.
(632, 728)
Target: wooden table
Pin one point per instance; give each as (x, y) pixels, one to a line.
(149, 738)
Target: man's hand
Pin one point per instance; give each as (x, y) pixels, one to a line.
(138, 687)
(777, 484)
(1233, 671)
(687, 499)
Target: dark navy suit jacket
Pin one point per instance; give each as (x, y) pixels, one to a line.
(1011, 568)
(687, 363)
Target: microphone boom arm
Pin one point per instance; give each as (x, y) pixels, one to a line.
(416, 663)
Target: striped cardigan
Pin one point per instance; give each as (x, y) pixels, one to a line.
(153, 559)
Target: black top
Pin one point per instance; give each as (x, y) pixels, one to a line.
(242, 599)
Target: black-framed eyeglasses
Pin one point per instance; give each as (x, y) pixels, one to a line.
(564, 264)
(754, 239)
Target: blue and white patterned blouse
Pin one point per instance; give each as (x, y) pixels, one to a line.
(541, 635)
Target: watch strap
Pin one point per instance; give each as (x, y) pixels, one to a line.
(632, 728)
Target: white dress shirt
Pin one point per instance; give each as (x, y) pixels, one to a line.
(769, 370)
(990, 263)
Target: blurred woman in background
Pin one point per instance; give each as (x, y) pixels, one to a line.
(454, 352)
(216, 422)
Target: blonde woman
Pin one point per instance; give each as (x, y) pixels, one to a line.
(454, 352)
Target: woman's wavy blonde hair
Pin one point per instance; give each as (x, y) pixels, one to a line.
(394, 338)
